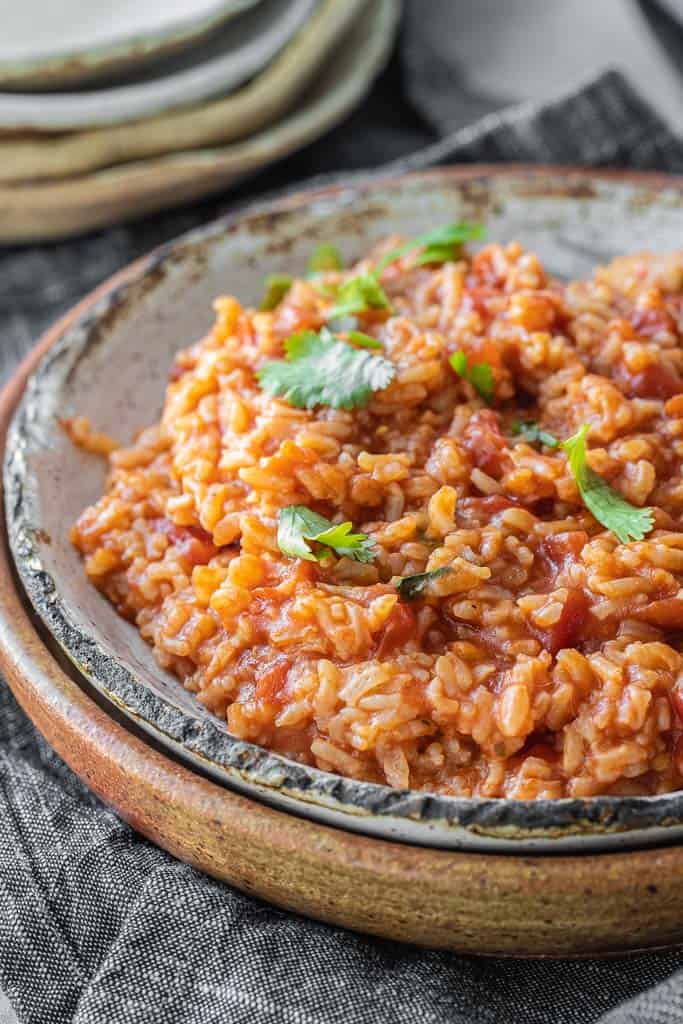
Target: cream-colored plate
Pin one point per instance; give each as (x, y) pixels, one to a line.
(49, 44)
(73, 206)
(232, 55)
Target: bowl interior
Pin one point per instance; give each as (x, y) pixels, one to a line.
(112, 367)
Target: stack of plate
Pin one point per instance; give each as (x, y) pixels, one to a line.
(107, 112)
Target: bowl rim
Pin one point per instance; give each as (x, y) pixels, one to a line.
(494, 823)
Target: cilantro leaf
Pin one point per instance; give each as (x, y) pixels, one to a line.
(277, 286)
(439, 245)
(626, 521)
(321, 369)
(410, 587)
(533, 433)
(297, 525)
(325, 257)
(358, 295)
(364, 340)
(479, 375)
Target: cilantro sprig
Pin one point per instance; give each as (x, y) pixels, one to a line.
(479, 375)
(532, 432)
(410, 587)
(626, 521)
(299, 526)
(322, 369)
(438, 246)
(359, 295)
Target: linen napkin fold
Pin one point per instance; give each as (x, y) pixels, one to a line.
(97, 925)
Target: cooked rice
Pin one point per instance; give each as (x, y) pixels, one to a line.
(546, 664)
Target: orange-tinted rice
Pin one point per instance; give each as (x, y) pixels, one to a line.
(547, 662)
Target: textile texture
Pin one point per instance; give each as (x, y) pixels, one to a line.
(96, 924)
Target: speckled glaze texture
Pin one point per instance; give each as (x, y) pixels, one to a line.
(111, 365)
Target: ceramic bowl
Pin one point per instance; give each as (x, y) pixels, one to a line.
(111, 365)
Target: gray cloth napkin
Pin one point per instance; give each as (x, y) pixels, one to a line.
(96, 924)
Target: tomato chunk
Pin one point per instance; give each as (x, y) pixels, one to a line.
(400, 626)
(192, 542)
(485, 442)
(272, 682)
(568, 628)
(655, 381)
(562, 550)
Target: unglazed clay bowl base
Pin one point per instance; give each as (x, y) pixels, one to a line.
(110, 364)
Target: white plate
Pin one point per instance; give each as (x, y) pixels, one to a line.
(47, 43)
(218, 66)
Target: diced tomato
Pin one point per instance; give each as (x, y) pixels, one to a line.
(562, 550)
(655, 381)
(567, 630)
(192, 542)
(400, 626)
(271, 682)
(485, 442)
(648, 322)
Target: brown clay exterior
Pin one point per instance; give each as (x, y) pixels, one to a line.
(476, 903)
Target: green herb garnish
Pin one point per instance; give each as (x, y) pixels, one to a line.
(325, 257)
(321, 369)
(298, 525)
(626, 521)
(410, 587)
(479, 375)
(530, 431)
(277, 286)
(358, 295)
(438, 246)
(364, 340)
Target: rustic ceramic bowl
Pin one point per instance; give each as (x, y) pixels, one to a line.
(111, 366)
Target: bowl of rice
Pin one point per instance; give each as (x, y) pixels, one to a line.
(367, 503)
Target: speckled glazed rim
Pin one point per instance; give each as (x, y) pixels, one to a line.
(478, 824)
(59, 69)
